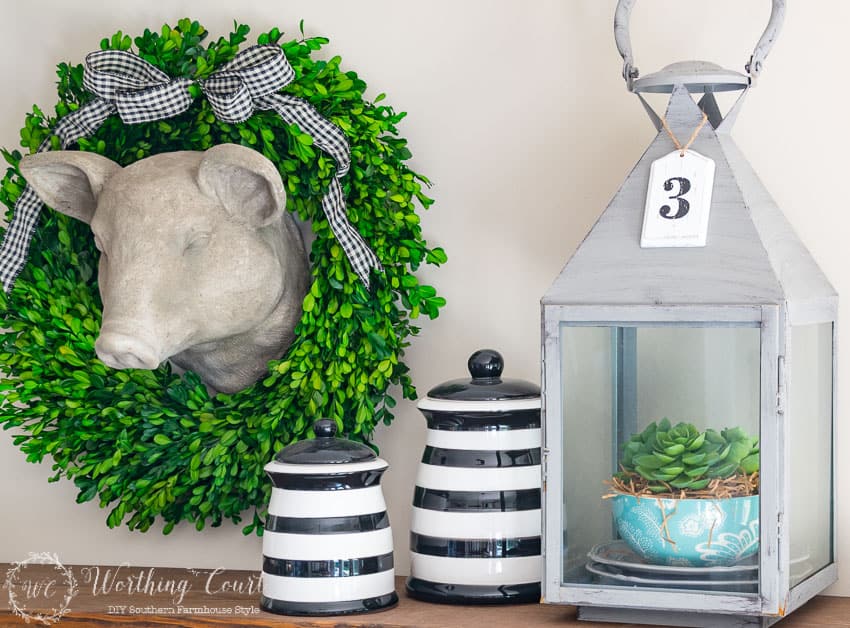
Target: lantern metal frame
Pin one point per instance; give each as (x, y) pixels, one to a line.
(754, 271)
(675, 607)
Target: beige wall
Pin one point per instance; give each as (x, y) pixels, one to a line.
(519, 115)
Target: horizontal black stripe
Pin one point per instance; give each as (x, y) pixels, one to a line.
(326, 481)
(446, 593)
(327, 568)
(482, 421)
(481, 458)
(348, 607)
(328, 525)
(464, 501)
(474, 548)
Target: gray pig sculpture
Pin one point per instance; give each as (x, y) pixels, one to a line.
(200, 263)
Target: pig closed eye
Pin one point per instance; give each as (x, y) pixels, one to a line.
(196, 243)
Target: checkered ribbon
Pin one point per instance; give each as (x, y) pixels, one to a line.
(129, 86)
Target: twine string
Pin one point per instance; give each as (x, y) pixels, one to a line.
(664, 530)
(690, 141)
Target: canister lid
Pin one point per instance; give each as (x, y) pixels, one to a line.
(486, 382)
(326, 448)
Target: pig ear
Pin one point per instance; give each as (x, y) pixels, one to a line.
(69, 181)
(247, 184)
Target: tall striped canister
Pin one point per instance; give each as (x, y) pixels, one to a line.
(475, 530)
(327, 545)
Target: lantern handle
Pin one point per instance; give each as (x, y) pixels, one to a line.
(767, 39)
(753, 67)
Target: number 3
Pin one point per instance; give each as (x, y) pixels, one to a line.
(684, 206)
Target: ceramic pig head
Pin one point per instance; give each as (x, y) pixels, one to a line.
(200, 263)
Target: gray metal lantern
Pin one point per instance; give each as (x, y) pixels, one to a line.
(736, 330)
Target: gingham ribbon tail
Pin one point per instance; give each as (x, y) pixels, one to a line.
(137, 92)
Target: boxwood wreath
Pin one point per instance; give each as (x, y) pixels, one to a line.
(153, 444)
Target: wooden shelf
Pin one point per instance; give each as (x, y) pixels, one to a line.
(103, 599)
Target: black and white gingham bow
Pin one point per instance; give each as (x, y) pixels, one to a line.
(139, 92)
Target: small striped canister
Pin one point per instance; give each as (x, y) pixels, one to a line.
(327, 544)
(476, 524)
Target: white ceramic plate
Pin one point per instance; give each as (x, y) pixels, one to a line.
(619, 554)
(613, 573)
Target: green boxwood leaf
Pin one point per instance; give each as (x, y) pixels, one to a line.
(155, 445)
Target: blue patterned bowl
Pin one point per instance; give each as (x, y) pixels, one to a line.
(689, 532)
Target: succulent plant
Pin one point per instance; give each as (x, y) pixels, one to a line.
(684, 458)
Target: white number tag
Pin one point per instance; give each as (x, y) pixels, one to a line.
(678, 201)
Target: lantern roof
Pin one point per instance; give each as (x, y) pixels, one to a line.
(752, 255)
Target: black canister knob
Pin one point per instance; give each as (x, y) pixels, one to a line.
(486, 384)
(327, 448)
(486, 364)
(324, 428)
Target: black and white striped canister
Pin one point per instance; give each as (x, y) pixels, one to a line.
(327, 544)
(476, 524)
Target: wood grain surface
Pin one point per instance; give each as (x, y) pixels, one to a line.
(158, 596)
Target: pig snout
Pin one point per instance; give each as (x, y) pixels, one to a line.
(123, 351)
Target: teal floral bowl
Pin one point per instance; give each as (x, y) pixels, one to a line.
(689, 532)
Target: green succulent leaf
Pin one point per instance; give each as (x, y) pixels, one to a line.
(750, 464)
(723, 471)
(648, 461)
(684, 458)
(633, 447)
(682, 481)
(673, 470)
(713, 436)
(697, 442)
(674, 450)
(694, 459)
(664, 458)
(646, 474)
(697, 472)
(712, 458)
(738, 450)
(648, 434)
(734, 434)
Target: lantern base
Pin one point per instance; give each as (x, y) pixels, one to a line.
(315, 609)
(446, 593)
(671, 618)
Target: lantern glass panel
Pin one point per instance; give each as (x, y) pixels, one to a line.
(810, 396)
(615, 380)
